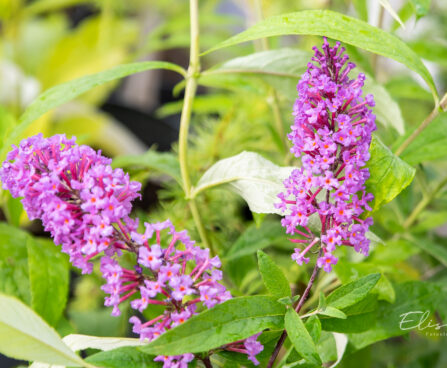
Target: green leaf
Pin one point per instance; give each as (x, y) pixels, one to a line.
(49, 279)
(125, 357)
(65, 92)
(432, 50)
(337, 26)
(313, 326)
(14, 277)
(24, 335)
(163, 162)
(254, 238)
(253, 177)
(300, 337)
(332, 312)
(274, 279)
(389, 175)
(233, 320)
(353, 292)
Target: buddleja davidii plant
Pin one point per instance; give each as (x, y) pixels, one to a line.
(85, 205)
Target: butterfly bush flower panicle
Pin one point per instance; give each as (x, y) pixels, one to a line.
(331, 134)
(73, 189)
(85, 205)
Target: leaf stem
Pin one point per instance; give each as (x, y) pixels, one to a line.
(442, 106)
(190, 92)
(297, 309)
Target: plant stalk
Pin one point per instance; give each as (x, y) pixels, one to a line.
(185, 119)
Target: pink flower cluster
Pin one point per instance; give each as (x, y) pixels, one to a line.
(331, 134)
(85, 204)
(80, 199)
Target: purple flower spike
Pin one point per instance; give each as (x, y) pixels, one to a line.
(331, 134)
(74, 191)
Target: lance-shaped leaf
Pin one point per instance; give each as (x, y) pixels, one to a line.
(233, 320)
(338, 26)
(353, 292)
(253, 177)
(24, 335)
(300, 337)
(389, 175)
(274, 279)
(65, 92)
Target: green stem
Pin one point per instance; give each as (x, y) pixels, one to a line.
(423, 204)
(442, 106)
(190, 93)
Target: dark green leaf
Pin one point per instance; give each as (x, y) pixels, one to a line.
(389, 175)
(300, 337)
(353, 292)
(274, 279)
(49, 278)
(65, 92)
(335, 25)
(233, 320)
(125, 357)
(254, 238)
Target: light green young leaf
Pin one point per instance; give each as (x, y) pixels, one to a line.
(332, 312)
(300, 338)
(49, 278)
(233, 320)
(338, 26)
(65, 92)
(353, 292)
(253, 177)
(389, 175)
(274, 279)
(24, 335)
